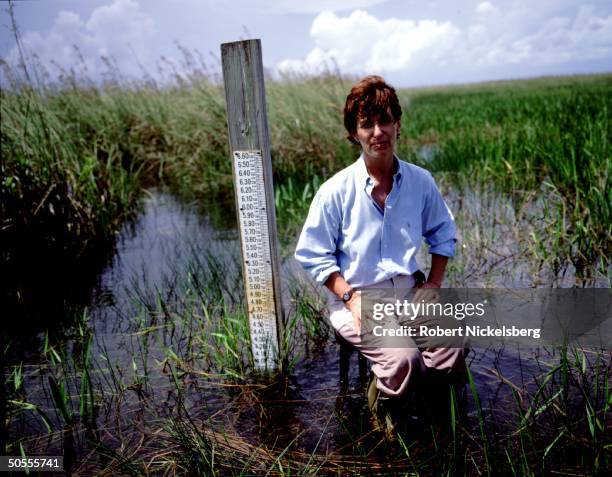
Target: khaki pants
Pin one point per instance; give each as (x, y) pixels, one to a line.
(395, 368)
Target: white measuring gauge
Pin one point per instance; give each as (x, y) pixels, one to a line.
(256, 255)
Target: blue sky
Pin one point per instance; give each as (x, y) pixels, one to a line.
(411, 43)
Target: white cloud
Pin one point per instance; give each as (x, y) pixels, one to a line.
(278, 7)
(486, 7)
(558, 40)
(119, 30)
(120, 25)
(407, 41)
(361, 42)
(316, 6)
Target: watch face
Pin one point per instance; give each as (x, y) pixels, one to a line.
(347, 296)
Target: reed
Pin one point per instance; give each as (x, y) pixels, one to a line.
(77, 154)
(177, 413)
(525, 165)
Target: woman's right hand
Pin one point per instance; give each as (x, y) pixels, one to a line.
(354, 305)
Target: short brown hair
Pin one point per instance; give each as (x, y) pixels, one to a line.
(370, 97)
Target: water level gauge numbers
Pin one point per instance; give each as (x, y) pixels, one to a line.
(254, 232)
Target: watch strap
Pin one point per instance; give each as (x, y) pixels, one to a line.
(347, 295)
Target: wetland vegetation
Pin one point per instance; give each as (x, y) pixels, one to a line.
(147, 370)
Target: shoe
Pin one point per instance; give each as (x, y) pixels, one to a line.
(380, 406)
(372, 394)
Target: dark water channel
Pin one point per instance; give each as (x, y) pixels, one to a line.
(134, 338)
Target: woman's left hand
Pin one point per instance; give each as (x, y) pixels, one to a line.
(426, 292)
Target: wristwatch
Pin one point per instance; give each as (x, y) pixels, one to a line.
(347, 295)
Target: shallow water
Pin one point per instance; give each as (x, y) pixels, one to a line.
(310, 411)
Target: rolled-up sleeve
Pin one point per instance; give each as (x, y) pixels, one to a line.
(438, 223)
(316, 247)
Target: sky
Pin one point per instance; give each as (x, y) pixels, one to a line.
(410, 43)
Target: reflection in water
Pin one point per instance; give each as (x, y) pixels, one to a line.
(150, 356)
(157, 248)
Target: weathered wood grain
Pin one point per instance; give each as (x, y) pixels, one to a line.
(248, 130)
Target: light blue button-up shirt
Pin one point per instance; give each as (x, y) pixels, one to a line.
(346, 231)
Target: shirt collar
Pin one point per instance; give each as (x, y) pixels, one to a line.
(364, 178)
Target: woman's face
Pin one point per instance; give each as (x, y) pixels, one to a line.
(378, 135)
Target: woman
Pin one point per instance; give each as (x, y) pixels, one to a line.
(364, 228)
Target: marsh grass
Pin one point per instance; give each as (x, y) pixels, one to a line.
(554, 135)
(77, 154)
(170, 390)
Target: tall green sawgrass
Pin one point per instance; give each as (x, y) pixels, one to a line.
(553, 133)
(61, 177)
(76, 153)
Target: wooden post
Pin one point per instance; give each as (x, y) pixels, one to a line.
(247, 123)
